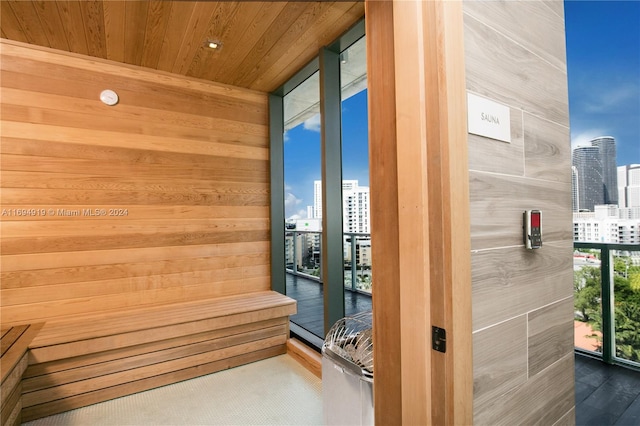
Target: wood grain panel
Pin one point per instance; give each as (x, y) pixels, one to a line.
(550, 333)
(385, 250)
(33, 262)
(501, 69)
(181, 14)
(512, 281)
(261, 46)
(192, 156)
(499, 359)
(29, 22)
(155, 29)
(207, 62)
(78, 274)
(84, 372)
(311, 13)
(509, 18)
(114, 27)
(50, 19)
(171, 35)
(546, 150)
(569, 419)
(71, 63)
(335, 19)
(93, 16)
(70, 15)
(135, 26)
(39, 369)
(11, 26)
(503, 198)
(542, 400)
(491, 155)
(205, 15)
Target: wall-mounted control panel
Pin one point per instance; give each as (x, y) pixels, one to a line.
(532, 220)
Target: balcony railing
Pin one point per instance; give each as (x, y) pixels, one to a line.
(302, 255)
(607, 301)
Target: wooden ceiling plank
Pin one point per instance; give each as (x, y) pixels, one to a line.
(285, 20)
(11, 27)
(195, 32)
(253, 18)
(268, 14)
(207, 60)
(181, 12)
(72, 25)
(114, 22)
(292, 60)
(309, 30)
(157, 19)
(50, 19)
(94, 28)
(135, 24)
(30, 23)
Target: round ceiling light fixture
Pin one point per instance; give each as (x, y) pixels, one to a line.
(109, 97)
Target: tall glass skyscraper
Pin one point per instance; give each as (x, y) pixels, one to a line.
(588, 177)
(607, 148)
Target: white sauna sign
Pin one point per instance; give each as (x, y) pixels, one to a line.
(488, 118)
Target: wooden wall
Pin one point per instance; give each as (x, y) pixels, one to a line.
(522, 299)
(163, 197)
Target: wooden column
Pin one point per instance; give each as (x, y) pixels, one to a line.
(419, 212)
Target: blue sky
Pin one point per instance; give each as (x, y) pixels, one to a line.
(603, 67)
(302, 154)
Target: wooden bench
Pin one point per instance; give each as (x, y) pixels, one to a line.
(79, 361)
(14, 344)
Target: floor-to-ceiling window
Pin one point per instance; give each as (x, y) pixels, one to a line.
(302, 202)
(358, 278)
(320, 174)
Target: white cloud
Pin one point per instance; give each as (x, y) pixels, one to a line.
(291, 201)
(313, 123)
(583, 138)
(301, 214)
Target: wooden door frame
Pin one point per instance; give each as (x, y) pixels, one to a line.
(419, 211)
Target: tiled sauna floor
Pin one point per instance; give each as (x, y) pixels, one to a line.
(275, 391)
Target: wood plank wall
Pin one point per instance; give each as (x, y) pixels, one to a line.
(522, 299)
(163, 197)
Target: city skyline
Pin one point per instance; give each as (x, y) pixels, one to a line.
(603, 70)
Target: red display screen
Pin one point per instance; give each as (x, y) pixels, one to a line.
(535, 220)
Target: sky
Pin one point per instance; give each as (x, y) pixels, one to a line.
(603, 71)
(302, 155)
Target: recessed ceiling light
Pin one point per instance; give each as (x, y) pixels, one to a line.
(213, 44)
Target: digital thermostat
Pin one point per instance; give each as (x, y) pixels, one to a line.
(532, 229)
(109, 97)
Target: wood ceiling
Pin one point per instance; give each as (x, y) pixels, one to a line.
(263, 43)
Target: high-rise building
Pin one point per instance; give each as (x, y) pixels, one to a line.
(629, 186)
(355, 205)
(607, 224)
(575, 185)
(588, 183)
(607, 148)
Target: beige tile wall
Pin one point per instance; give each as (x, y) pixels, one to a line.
(522, 299)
